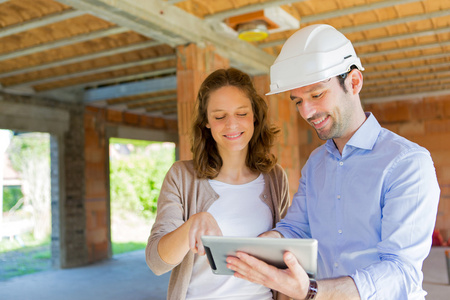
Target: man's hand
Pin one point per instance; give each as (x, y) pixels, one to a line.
(293, 281)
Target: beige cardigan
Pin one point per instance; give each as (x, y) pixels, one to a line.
(183, 195)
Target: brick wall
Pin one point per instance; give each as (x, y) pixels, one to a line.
(427, 123)
(288, 146)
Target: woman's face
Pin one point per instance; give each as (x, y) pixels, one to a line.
(230, 119)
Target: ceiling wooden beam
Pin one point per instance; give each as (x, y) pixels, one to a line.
(408, 59)
(63, 42)
(404, 49)
(81, 58)
(364, 27)
(407, 94)
(354, 10)
(154, 101)
(96, 71)
(173, 26)
(219, 17)
(404, 78)
(44, 21)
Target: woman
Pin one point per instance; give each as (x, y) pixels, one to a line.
(232, 187)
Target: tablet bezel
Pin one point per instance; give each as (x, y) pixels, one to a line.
(270, 250)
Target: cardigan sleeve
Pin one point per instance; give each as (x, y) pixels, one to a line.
(285, 196)
(170, 216)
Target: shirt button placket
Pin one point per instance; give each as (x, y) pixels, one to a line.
(339, 214)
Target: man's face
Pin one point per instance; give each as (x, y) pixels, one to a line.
(326, 107)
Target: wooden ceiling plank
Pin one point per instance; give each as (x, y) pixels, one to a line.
(406, 59)
(153, 101)
(63, 42)
(161, 107)
(412, 77)
(130, 89)
(82, 58)
(404, 49)
(97, 70)
(406, 96)
(364, 27)
(406, 69)
(411, 90)
(401, 36)
(354, 10)
(219, 17)
(143, 102)
(173, 26)
(408, 84)
(47, 20)
(414, 18)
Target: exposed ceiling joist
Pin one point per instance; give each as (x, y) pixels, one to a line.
(407, 69)
(395, 21)
(354, 10)
(408, 59)
(139, 103)
(168, 24)
(391, 38)
(365, 27)
(67, 14)
(82, 58)
(411, 78)
(404, 49)
(152, 101)
(61, 43)
(409, 90)
(411, 95)
(219, 17)
(97, 70)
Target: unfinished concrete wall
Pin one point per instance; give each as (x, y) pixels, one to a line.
(64, 123)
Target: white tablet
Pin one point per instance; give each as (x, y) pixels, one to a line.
(270, 250)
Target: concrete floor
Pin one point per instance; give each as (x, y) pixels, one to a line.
(127, 276)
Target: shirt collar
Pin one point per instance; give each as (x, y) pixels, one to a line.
(364, 138)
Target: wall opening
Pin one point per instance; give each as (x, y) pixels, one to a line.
(137, 170)
(26, 219)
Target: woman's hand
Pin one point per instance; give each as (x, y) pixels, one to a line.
(202, 223)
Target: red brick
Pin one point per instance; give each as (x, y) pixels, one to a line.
(130, 118)
(437, 126)
(114, 116)
(428, 109)
(410, 128)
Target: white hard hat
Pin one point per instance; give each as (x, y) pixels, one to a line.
(312, 54)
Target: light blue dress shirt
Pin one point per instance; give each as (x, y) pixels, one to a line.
(372, 209)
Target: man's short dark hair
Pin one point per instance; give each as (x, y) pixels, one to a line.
(341, 78)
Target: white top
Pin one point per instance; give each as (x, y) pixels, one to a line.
(239, 212)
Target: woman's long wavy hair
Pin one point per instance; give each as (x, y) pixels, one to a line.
(207, 160)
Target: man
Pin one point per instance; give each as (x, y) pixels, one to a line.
(367, 195)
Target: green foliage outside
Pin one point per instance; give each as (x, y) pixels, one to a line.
(35, 256)
(136, 177)
(118, 248)
(11, 194)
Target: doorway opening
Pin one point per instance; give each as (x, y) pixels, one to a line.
(25, 198)
(137, 170)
